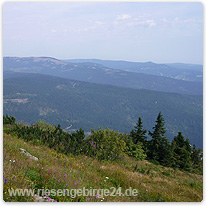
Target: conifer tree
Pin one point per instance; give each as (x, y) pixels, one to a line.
(159, 147)
(197, 160)
(156, 136)
(165, 152)
(138, 133)
(182, 152)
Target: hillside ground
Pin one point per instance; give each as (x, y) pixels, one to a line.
(58, 171)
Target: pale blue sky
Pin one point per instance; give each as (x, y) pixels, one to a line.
(158, 32)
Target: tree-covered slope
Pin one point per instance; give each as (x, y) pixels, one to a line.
(76, 104)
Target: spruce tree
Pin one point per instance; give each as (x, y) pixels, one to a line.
(138, 134)
(182, 152)
(165, 152)
(159, 147)
(156, 136)
(197, 160)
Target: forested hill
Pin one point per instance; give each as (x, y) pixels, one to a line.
(76, 104)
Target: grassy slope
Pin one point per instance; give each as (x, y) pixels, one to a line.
(153, 182)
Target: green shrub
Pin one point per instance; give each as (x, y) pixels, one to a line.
(105, 144)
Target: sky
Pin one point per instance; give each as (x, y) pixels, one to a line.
(136, 31)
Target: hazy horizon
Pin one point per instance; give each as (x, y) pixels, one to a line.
(63, 59)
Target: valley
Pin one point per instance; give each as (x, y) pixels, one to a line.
(76, 104)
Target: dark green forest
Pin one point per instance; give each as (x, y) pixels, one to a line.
(74, 104)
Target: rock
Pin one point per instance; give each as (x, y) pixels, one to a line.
(38, 198)
(23, 151)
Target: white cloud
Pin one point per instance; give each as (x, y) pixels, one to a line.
(179, 21)
(164, 20)
(123, 17)
(99, 22)
(150, 23)
(142, 22)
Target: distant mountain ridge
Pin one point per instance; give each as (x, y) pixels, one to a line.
(188, 72)
(97, 73)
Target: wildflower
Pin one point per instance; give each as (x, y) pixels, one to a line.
(59, 175)
(55, 170)
(5, 181)
(66, 185)
(75, 182)
(4, 140)
(58, 180)
(96, 195)
(49, 199)
(87, 198)
(4, 149)
(13, 160)
(107, 177)
(10, 160)
(15, 176)
(65, 175)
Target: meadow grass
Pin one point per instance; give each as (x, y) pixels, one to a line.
(59, 171)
